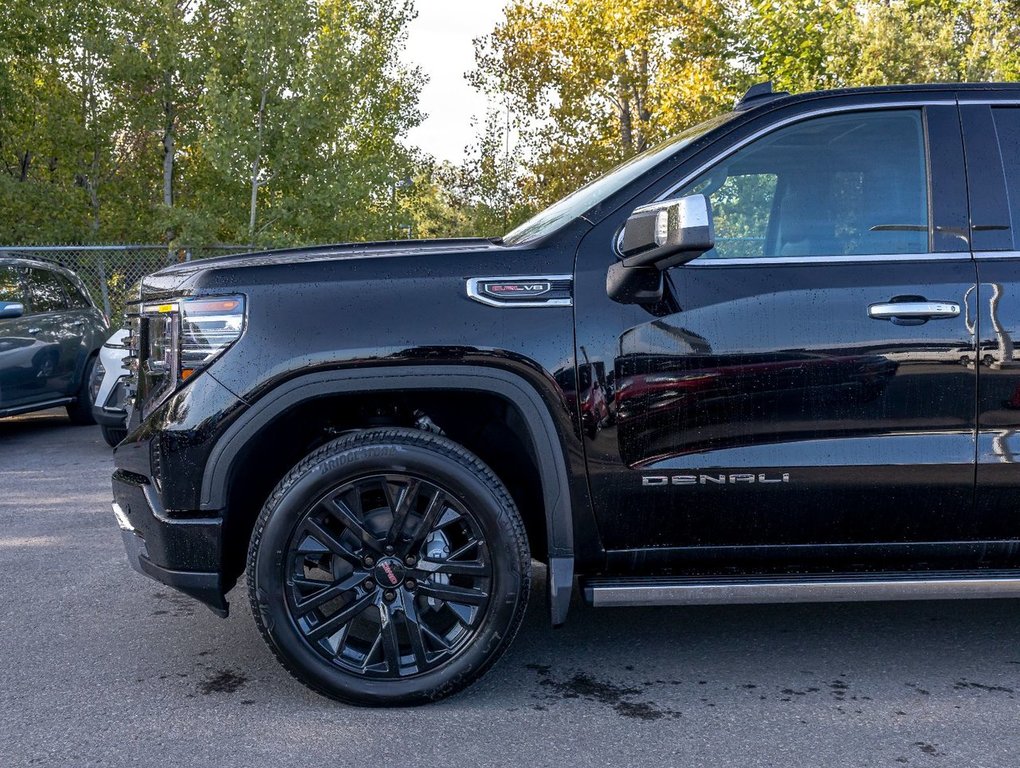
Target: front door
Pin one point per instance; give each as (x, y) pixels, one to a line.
(811, 380)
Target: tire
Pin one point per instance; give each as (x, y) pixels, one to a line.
(80, 411)
(374, 613)
(113, 435)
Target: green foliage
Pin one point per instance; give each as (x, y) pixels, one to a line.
(592, 82)
(268, 122)
(271, 122)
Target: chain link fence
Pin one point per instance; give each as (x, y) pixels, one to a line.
(109, 271)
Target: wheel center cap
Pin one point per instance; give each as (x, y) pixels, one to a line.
(389, 572)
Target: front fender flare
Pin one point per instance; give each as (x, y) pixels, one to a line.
(546, 442)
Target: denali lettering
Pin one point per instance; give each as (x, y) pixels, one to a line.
(745, 477)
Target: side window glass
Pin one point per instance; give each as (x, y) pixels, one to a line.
(10, 285)
(75, 298)
(1007, 127)
(845, 185)
(45, 293)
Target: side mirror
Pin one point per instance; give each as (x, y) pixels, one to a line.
(10, 309)
(656, 237)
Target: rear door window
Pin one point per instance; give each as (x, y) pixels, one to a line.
(10, 285)
(1007, 126)
(45, 292)
(75, 298)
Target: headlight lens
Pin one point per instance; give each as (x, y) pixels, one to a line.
(185, 336)
(98, 372)
(208, 327)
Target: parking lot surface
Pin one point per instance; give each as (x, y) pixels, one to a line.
(101, 666)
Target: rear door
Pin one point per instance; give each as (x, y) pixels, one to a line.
(18, 383)
(811, 380)
(992, 131)
(53, 329)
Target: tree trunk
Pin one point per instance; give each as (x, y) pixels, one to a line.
(168, 155)
(255, 169)
(24, 162)
(624, 109)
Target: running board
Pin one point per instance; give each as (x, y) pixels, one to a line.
(828, 588)
(16, 410)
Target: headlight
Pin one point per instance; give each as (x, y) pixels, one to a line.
(98, 372)
(186, 335)
(208, 327)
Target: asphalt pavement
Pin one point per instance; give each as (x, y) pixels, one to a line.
(101, 666)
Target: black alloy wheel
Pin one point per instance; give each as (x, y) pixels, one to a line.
(389, 567)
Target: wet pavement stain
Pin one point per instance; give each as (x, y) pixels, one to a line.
(928, 749)
(224, 681)
(175, 604)
(583, 686)
(964, 684)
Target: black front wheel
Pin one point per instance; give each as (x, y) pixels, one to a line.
(80, 409)
(389, 567)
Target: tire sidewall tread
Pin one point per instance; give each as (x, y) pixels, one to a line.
(464, 475)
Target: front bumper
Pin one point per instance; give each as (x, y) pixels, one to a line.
(183, 553)
(113, 412)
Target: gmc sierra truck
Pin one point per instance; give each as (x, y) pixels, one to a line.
(768, 361)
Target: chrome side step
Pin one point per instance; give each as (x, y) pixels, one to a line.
(830, 588)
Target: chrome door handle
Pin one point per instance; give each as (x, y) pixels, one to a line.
(914, 310)
(34, 330)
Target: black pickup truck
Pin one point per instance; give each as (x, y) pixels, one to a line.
(768, 361)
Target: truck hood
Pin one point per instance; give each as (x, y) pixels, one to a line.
(174, 277)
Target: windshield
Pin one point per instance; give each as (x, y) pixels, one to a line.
(588, 196)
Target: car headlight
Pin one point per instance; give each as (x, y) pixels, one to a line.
(186, 335)
(98, 372)
(208, 327)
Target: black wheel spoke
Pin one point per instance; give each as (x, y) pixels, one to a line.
(453, 594)
(454, 568)
(331, 542)
(412, 623)
(401, 506)
(431, 516)
(339, 509)
(390, 641)
(331, 592)
(341, 618)
(436, 638)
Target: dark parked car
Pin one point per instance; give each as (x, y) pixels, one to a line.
(768, 361)
(50, 333)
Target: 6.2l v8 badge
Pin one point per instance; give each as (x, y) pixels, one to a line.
(522, 291)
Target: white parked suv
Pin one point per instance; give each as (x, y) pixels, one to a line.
(108, 387)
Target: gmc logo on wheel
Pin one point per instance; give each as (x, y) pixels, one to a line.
(390, 575)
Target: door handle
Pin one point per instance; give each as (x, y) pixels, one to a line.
(913, 312)
(34, 330)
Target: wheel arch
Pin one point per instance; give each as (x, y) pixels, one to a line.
(546, 442)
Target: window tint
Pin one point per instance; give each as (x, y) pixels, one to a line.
(846, 185)
(45, 293)
(10, 285)
(75, 298)
(1007, 126)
